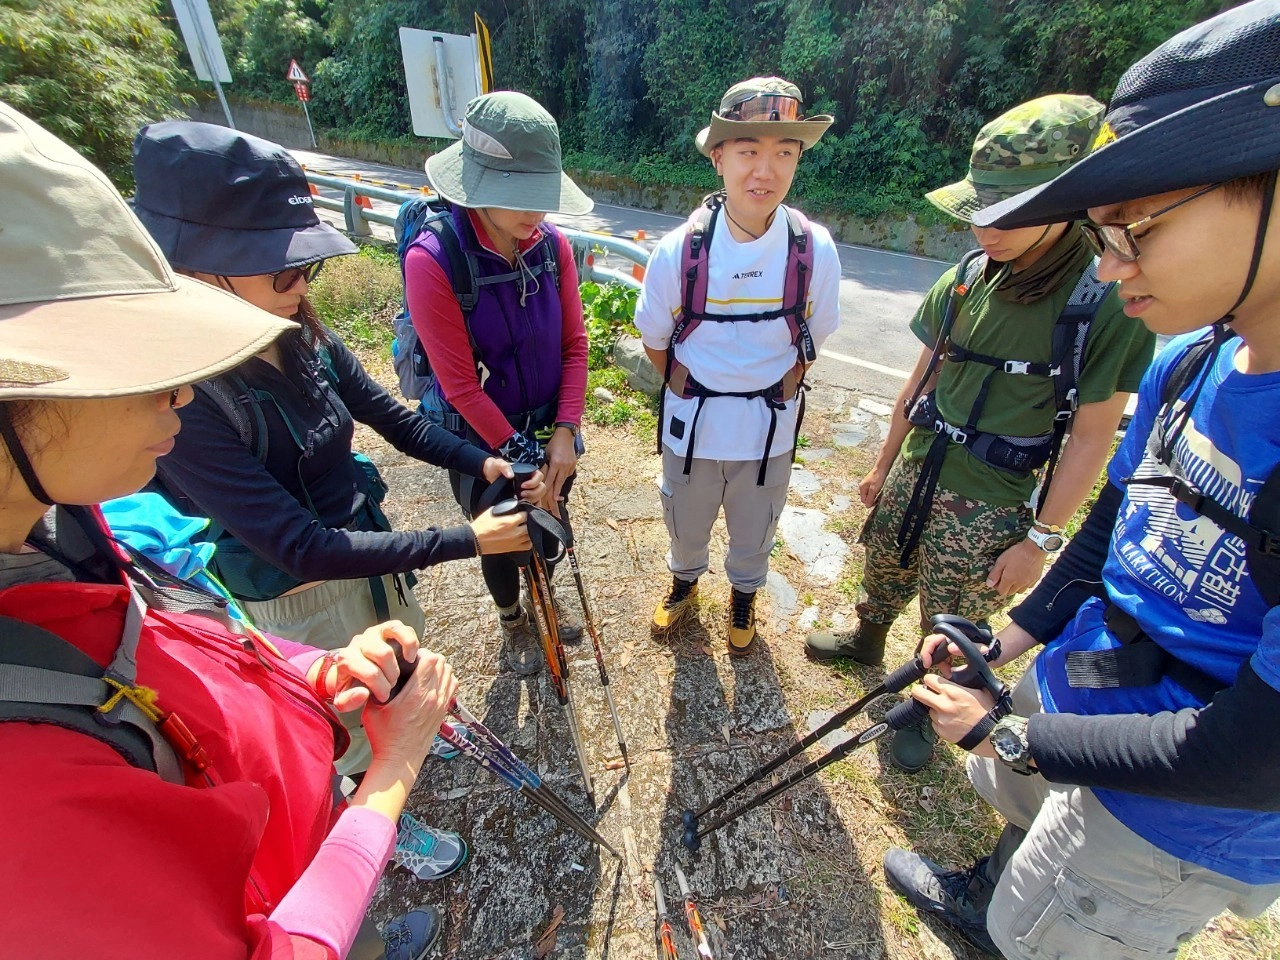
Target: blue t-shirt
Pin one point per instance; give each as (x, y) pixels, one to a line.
(1186, 582)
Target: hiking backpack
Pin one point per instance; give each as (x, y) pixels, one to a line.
(1018, 455)
(694, 271)
(408, 356)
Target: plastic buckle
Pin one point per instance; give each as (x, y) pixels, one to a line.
(1017, 366)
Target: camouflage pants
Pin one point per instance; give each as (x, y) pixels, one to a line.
(961, 542)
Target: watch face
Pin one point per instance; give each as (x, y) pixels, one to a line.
(1007, 744)
(1053, 543)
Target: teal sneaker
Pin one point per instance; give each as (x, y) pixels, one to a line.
(442, 749)
(427, 853)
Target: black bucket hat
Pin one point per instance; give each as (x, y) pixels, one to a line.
(223, 202)
(1203, 107)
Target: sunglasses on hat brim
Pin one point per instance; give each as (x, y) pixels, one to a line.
(764, 106)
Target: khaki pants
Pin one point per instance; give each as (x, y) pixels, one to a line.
(1082, 884)
(690, 505)
(328, 616)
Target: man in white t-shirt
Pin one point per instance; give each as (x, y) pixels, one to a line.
(734, 308)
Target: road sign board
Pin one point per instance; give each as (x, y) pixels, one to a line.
(301, 90)
(484, 55)
(295, 73)
(201, 37)
(441, 78)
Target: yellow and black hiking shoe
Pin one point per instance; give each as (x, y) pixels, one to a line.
(682, 598)
(742, 622)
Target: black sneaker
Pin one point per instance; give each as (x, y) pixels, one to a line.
(957, 898)
(411, 935)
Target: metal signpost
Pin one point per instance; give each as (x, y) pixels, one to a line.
(201, 37)
(300, 81)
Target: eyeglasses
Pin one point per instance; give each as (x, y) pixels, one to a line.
(1118, 238)
(764, 106)
(285, 280)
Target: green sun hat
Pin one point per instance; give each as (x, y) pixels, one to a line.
(762, 107)
(1025, 147)
(508, 157)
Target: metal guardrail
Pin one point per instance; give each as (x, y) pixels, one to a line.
(591, 250)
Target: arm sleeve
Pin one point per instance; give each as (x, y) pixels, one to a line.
(440, 326)
(1075, 576)
(1226, 754)
(928, 319)
(329, 901)
(660, 293)
(573, 338)
(824, 294)
(404, 429)
(222, 478)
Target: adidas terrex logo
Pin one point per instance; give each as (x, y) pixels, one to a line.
(295, 201)
(748, 274)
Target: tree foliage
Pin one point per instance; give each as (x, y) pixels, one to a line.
(631, 81)
(91, 71)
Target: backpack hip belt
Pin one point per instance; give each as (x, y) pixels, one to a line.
(1017, 455)
(694, 268)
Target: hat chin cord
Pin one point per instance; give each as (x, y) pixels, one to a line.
(1260, 238)
(18, 454)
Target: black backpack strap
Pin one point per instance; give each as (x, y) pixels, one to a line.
(238, 403)
(45, 679)
(462, 266)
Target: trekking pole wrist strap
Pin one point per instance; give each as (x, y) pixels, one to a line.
(982, 729)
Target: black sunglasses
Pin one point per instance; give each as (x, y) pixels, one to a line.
(286, 280)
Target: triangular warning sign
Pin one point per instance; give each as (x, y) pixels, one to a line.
(295, 73)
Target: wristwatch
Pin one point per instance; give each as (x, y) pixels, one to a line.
(1049, 542)
(1009, 739)
(568, 425)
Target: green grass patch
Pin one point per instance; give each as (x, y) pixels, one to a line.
(358, 296)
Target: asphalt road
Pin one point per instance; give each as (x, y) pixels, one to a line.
(872, 351)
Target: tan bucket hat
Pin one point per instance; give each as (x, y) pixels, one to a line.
(762, 107)
(88, 305)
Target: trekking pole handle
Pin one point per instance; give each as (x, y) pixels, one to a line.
(975, 674)
(406, 671)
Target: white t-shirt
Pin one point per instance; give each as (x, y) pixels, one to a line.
(743, 278)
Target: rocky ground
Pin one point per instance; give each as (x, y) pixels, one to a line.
(799, 878)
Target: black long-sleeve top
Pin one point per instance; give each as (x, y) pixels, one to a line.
(213, 473)
(1224, 754)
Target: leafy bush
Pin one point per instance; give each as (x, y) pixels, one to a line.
(608, 310)
(91, 71)
(357, 297)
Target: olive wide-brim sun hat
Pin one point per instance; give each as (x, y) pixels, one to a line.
(226, 203)
(88, 306)
(762, 107)
(509, 158)
(1023, 147)
(1202, 108)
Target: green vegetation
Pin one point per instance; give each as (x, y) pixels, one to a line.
(608, 310)
(631, 82)
(358, 296)
(91, 71)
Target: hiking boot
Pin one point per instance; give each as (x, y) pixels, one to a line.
(864, 644)
(427, 853)
(411, 935)
(443, 750)
(742, 622)
(570, 623)
(957, 898)
(521, 648)
(682, 598)
(913, 746)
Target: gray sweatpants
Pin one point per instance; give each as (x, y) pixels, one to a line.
(690, 505)
(1076, 882)
(328, 616)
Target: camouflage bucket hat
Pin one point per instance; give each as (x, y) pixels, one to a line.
(1025, 147)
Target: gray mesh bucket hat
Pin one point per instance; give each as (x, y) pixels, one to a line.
(508, 157)
(1203, 107)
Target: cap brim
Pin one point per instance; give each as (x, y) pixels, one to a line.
(808, 131)
(470, 184)
(1231, 135)
(130, 344)
(242, 253)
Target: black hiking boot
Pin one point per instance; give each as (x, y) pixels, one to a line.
(957, 898)
(864, 644)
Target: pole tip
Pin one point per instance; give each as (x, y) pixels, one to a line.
(691, 840)
(689, 820)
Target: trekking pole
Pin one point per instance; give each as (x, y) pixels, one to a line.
(549, 630)
(590, 622)
(696, 930)
(530, 786)
(520, 768)
(665, 935)
(975, 674)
